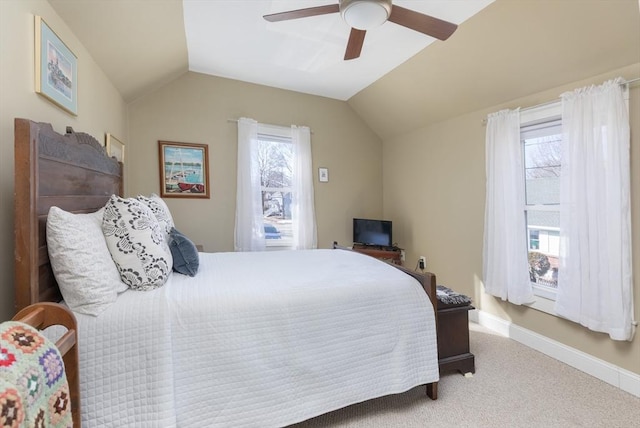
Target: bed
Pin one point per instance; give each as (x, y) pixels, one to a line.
(239, 344)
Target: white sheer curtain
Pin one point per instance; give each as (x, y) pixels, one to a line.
(595, 280)
(303, 210)
(249, 229)
(505, 265)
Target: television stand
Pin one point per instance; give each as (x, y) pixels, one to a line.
(389, 254)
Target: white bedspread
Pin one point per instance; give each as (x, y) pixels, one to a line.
(257, 339)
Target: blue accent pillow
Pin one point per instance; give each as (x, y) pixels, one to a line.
(185, 254)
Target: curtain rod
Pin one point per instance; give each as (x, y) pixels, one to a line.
(282, 126)
(626, 82)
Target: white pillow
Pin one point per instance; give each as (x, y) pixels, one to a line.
(137, 243)
(88, 278)
(160, 209)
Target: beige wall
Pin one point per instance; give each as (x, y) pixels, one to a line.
(196, 108)
(434, 191)
(100, 109)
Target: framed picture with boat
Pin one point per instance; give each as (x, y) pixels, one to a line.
(183, 170)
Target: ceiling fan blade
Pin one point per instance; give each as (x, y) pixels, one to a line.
(302, 13)
(422, 23)
(354, 45)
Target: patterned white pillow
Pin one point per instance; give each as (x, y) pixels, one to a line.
(160, 209)
(137, 243)
(86, 274)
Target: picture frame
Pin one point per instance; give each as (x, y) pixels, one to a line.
(323, 175)
(184, 170)
(56, 68)
(114, 147)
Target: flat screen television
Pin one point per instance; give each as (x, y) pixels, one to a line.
(372, 232)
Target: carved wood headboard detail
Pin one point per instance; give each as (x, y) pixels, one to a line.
(70, 171)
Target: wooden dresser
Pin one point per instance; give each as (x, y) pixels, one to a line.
(391, 255)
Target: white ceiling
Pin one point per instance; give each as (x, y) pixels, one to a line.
(231, 39)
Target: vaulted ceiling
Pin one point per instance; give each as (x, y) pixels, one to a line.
(507, 50)
(230, 38)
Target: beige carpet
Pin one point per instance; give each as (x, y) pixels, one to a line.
(514, 386)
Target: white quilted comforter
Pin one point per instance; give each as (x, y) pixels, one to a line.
(256, 339)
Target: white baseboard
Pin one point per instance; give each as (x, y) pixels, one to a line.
(607, 372)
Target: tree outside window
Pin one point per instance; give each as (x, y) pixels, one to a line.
(275, 163)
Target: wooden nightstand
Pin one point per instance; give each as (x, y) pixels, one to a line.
(453, 338)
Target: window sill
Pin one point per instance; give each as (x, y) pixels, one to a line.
(543, 304)
(279, 246)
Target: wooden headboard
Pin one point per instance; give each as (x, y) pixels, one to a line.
(70, 171)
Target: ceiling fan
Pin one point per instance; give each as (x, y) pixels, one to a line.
(363, 15)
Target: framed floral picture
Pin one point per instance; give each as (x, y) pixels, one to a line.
(184, 170)
(56, 68)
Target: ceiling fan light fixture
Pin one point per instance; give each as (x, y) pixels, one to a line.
(365, 14)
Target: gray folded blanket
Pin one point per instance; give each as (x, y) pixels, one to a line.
(450, 297)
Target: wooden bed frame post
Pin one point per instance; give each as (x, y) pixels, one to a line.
(25, 219)
(428, 282)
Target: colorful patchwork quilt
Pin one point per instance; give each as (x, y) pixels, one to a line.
(33, 386)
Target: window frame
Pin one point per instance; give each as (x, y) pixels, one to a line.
(536, 129)
(547, 112)
(544, 113)
(282, 135)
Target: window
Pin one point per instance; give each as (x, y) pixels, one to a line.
(541, 137)
(275, 163)
(275, 198)
(542, 164)
(563, 193)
